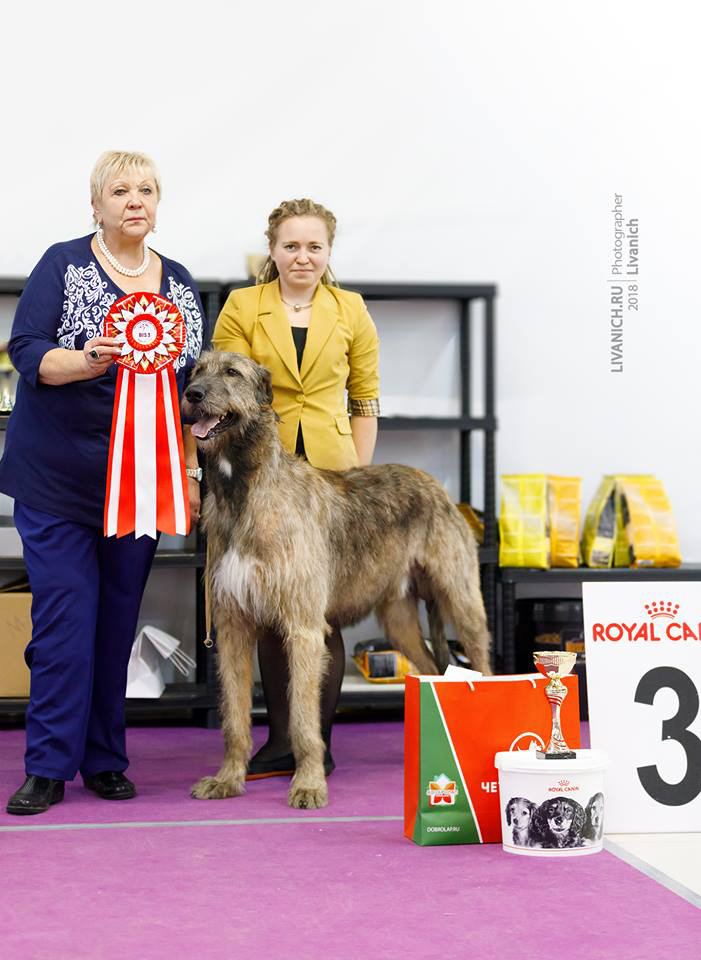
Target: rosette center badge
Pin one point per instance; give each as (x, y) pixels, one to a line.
(150, 329)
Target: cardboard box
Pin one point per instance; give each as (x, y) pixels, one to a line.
(15, 634)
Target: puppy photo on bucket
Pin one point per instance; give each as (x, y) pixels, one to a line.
(594, 819)
(296, 548)
(558, 822)
(519, 812)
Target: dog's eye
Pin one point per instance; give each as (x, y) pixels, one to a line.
(233, 372)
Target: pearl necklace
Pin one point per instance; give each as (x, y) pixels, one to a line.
(297, 306)
(115, 264)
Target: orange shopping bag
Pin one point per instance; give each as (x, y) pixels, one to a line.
(452, 729)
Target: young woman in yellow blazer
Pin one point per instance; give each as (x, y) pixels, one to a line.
(318, 342)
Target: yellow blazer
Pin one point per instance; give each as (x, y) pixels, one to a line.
(341, 352)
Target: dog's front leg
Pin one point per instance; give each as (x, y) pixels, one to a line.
(235, 644)
(307, 655)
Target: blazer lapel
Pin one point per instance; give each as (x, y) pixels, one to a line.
(273, 319)
(322, 321)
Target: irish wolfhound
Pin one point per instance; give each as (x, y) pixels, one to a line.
(295, 548)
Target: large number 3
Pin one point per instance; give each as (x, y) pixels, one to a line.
(676, 728)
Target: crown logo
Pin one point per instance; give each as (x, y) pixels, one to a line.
(564, 783)
(665, 608)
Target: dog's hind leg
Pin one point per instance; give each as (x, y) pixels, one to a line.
(306, 651)
(235, 645)
(400, 621)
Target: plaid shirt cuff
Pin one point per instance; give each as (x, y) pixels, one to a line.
(364, 408)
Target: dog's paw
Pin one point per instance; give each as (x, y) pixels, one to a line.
(213, 788)
(307, 797)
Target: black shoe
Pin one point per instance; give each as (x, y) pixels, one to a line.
(111, 786)
(35, 795)
(281, 766)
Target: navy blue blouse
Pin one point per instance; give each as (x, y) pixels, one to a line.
(57, 440)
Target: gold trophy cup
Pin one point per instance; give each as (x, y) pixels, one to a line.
(6, 371)
(555, 664)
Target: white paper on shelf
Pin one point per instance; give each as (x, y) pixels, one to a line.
(461, 673)
(169, 648)
(151, 647)
(144, 674)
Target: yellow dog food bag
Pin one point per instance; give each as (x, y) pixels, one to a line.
(621, 553)
(649, 523)
(564, 508)
(523, 521)
(599, 535)
(621, 549)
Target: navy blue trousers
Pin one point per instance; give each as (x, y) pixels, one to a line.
(86, 594)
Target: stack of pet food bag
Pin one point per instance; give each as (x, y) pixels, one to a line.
(539, 521)
(629, 523)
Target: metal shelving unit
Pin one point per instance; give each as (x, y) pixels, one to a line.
(200, 697)
(466, 424)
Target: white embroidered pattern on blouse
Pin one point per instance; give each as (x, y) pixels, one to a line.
(85, 305)
(184, 299)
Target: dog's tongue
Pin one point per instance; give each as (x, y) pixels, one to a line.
(202, 427)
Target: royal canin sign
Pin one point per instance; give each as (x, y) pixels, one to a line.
(661, 625)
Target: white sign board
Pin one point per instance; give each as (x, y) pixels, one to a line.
(643, 650)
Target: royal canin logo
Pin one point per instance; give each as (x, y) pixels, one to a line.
(662, 609)
(661, 625)
(441, 792)
(563, 786)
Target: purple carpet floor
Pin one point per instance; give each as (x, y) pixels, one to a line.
(165, 876)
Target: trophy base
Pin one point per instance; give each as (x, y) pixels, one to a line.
(566, 755)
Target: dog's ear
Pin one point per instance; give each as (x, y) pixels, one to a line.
(539, 821)
(508, 813)
(264, 386)
(578, 819)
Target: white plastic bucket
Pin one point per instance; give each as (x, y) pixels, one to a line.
(552, 808)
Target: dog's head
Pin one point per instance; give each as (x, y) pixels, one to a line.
(227, 392)
(519, 812)
(560, 820)
(594, 813)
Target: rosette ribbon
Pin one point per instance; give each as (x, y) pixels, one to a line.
(146, 480)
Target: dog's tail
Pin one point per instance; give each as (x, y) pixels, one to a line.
(439, 644)
(451, 564)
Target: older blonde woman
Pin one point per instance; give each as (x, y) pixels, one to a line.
(86, 588)
(318, 341)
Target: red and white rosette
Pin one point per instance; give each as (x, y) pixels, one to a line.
(146, 480)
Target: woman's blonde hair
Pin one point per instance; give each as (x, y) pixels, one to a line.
(113, 162)
(296, 208)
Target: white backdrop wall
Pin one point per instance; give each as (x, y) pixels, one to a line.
(454, 141)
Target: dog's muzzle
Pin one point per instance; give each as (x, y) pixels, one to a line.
(205, 425)
(209, 427)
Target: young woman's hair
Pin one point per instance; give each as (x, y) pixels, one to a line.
(296, 208)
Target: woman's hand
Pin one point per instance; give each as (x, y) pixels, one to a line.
(193, 492)
(100, 353)
(60, 365)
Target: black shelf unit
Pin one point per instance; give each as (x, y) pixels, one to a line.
(572, 578)
(465, 295)
(201, 696)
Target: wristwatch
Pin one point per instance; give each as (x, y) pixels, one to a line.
(195, 473)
